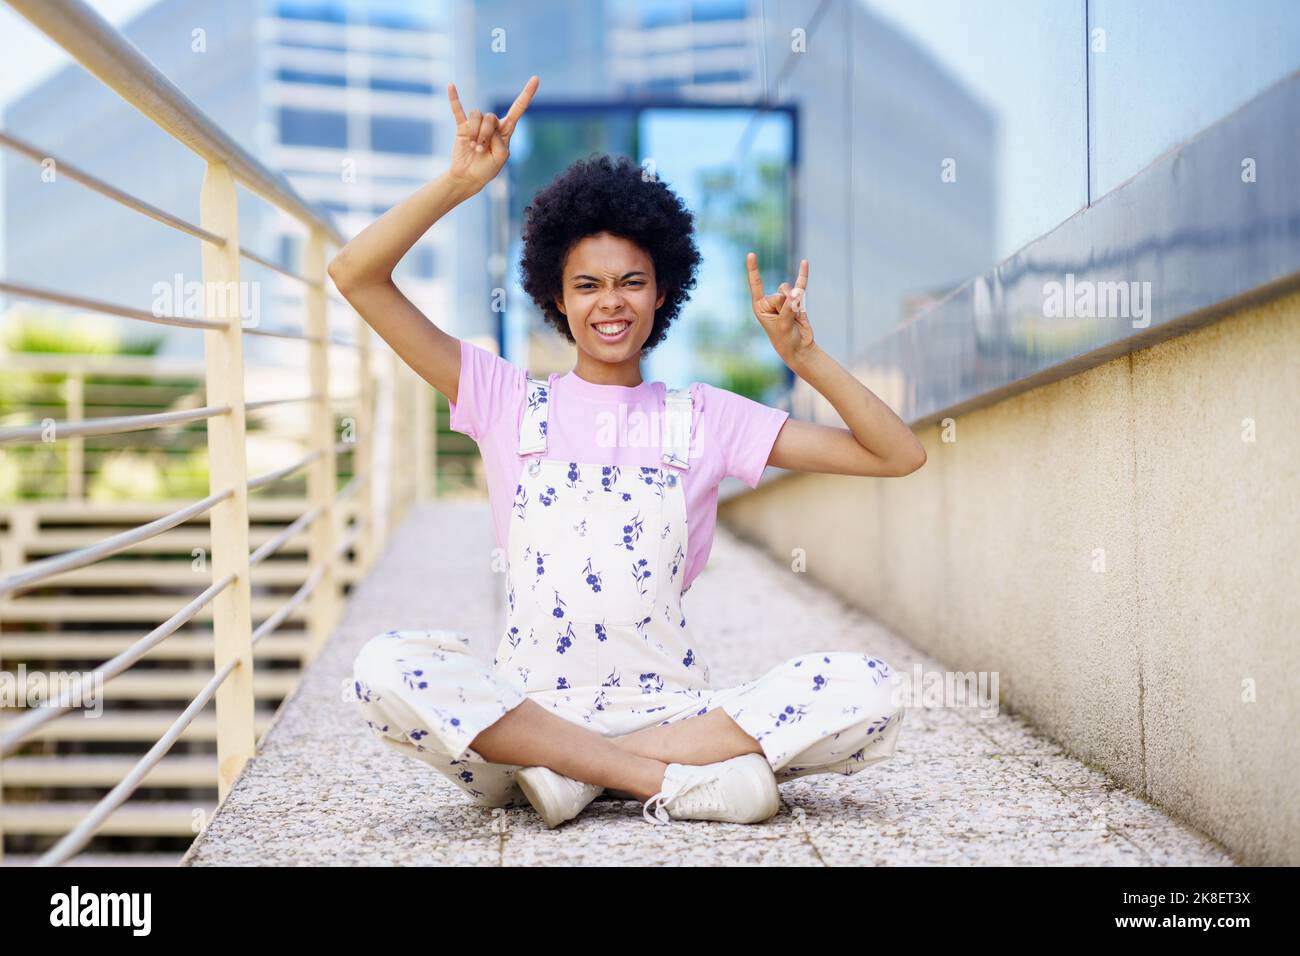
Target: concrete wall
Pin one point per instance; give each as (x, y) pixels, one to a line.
(1112, 547)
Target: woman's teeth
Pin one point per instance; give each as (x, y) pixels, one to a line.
(612, 329)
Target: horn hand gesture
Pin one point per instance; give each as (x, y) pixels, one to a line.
(482, 143)
(782, 314)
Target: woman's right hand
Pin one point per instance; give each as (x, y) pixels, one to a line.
(482, 143)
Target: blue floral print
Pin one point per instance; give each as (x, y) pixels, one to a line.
(564, 640)
(558, 609)
(677, 563)
(641, 574)
(414, 679)
(591, 577)
(654, 477)
(632, 532)
(817, 713)
(536, 399)
(651, 683)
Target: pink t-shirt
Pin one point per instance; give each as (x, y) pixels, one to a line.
(731, 436)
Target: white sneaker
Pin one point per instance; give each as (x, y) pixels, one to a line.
(554, 796)
(740, 790)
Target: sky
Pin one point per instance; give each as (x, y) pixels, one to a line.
(29, 57)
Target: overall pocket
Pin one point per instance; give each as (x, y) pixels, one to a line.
(598, 554)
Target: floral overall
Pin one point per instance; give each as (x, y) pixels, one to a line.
(595, 631)
(597, 555)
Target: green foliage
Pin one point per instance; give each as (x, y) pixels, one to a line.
(737, 358)
(39, 470)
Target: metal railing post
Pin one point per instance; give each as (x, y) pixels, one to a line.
(399, 463)
(322, 475)
(426, 448)
(364, 456)
(410, 471)
(75, 489)
(228, 468)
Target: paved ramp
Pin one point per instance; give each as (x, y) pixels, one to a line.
(961, 789)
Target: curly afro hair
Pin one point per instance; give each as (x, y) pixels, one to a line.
(597, 195)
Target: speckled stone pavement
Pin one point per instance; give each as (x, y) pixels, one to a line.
(961, 788)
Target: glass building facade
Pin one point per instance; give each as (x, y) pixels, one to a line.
(906, 149)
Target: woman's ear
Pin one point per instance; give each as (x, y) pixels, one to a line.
(559, 304)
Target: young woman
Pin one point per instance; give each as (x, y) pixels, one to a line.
(603, 490)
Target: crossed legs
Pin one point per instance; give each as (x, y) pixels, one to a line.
(531, 736)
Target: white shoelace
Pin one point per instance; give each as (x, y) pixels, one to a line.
(712, 781)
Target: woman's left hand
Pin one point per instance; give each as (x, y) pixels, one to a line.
(782, 314)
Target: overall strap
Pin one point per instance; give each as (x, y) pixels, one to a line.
(678, 405)
(532, 426)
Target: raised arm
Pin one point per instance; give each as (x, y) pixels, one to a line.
(363, 269)
(877, 442)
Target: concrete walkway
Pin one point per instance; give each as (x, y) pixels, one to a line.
(961, 789)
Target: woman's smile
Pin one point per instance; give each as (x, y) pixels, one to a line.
(614, 330)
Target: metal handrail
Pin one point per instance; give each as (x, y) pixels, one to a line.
(276, 267)
(99, 47)
(276, 474)
(48, 567)
(23, 726)
(76, 174)
(24, 291)
(124, 198)
(38, 571)
(106, 54)
(113, 425)
(81, 834)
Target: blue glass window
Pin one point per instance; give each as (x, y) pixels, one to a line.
(309, 45)
(300, 76)
(408, 19)
(705, 10)
(313, 128)
(720, 76)
(390, 134)
(311, 10)
(400, 86)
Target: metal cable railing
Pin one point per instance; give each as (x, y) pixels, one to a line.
(106, 54)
